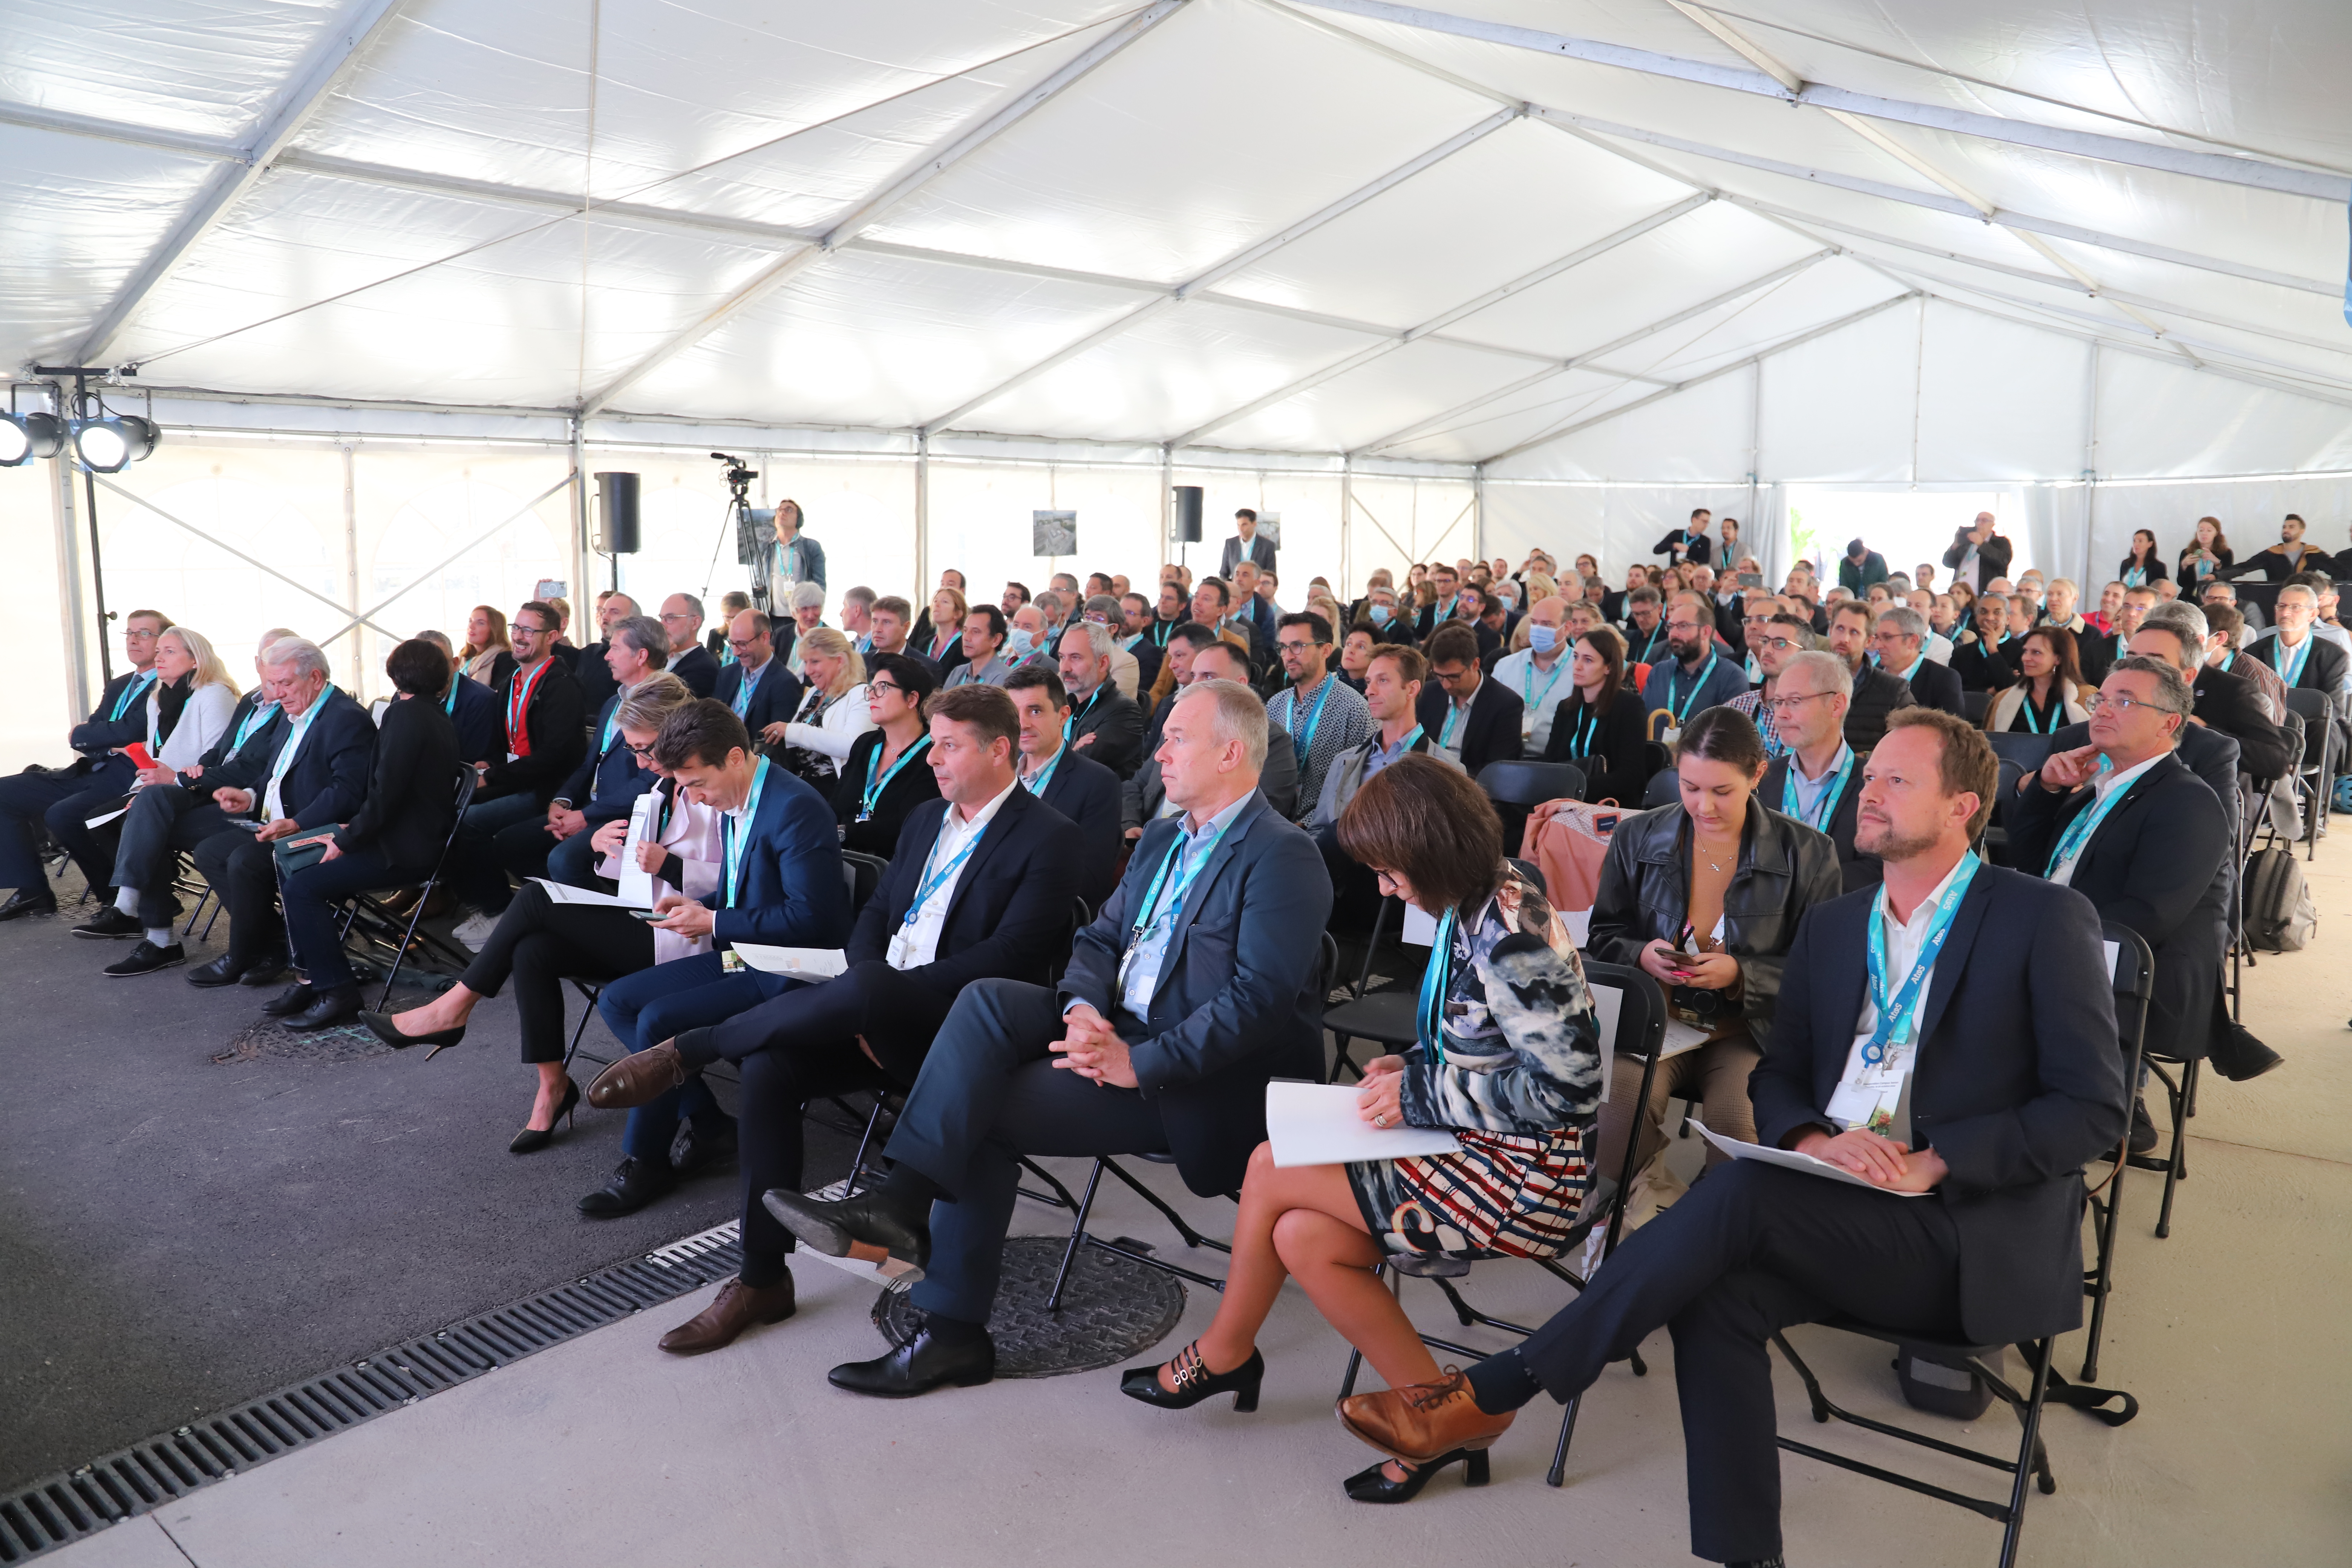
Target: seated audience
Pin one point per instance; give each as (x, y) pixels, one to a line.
(1127, 671)
(1647, 641)
(887, 774)
(731, 604)
(681, 617)
(595, 676)
(1200, 982)
(804, 613)
(1900, 642)
(833, 711)
(1143, 799)
(1705, 896)
(1698, 674)
(755, 685)
(1986, 659)
(1508, 1059)
(1535, 668)
(393, 840)
(604, 787)
(939, 635)
(2225, 626)
(1472, 720)
(2049, 693)
(2296, 650)
(1816, 780)
(1322, 715)
(984, 637)
(1601, 727)
(889, 621)
(1876, 692)
(1355, 653)
(472, 707)
(542, 943)
(545, 733)
(1783, 634)
(1067, 779)
(2030, 1088)
(780, 885)
(857, 618)
(487, 651)
(1105, 725)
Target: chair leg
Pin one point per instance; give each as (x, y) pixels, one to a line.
(858, 1165)
(2030, 1460)
(1191, 1238)
(1557, 1474)
(1077, 1238)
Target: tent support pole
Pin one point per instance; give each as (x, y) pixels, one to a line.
(79, 698)
(582, 585)
(357, 665)
(923, 508)
(2090, 454)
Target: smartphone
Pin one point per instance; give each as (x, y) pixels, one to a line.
(1751, 579)
(651, 917)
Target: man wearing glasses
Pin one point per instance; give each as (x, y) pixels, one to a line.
(1816, 778)
(1700, 675)
(1322, 715)
(1771, 643)
(545, 721)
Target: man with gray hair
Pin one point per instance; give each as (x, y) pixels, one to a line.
(1816, 779)
(1199, 983)
(2176, 633)
(1104, 724)
(1127, 669)
(806, 605)
(1900, 644)
(307, 768)
(681, 617)
(857, 618)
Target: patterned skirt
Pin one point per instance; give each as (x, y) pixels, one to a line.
(1503, 1193)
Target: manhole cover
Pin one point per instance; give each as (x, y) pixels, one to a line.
(1113, 1310)
(267, 1038)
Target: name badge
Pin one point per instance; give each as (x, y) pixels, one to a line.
(1670, 737)
(514, 756)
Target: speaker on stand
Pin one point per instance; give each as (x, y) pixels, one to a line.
(1184, 526)
(617, 528)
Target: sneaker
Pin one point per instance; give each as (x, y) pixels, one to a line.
(147, 958)
(475, 930)
(112, 922)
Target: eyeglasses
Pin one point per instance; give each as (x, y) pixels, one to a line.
(874, 686)
(2100, 700)
(645, 751)
(1779, 645)
(1779, 706)
(1295, 646)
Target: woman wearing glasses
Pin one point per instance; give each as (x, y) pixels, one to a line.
(887, 772)
(833, 711)
(542, 943)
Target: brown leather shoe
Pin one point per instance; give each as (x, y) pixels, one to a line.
(738, 1307)
(638, 1079)
(1421, 1421)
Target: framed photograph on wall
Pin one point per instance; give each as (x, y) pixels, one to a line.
(1053, 534)
(1269, 528)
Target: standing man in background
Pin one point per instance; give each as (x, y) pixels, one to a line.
(1978, 555)
(1245, 545)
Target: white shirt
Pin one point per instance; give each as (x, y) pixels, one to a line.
(1939, 648)
(1142, 977)
(917, 942)
(1811, 790)
(273, 798)
(1879, 1097)
(2103, 786)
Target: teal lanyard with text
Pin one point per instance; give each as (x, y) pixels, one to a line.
(1435, 981)
(1819, 817)
(2078, 835)
(933, 881)
(1894, 1014)
(262, 713)
(1152, 916)
(873, 787)
(137, 687)
(1304, 743)
(742, 704)
(1697, 686)
(1580, 741)
(2035, 723)
(2291, 661)
(1037, 784)
(1534, 699)
(1070, 724)
(733, 846)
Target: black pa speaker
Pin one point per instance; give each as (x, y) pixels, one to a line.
(617, 514)
(1188, 514)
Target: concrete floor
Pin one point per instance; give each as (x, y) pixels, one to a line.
(2234, 1333)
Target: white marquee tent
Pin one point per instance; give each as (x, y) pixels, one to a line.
(392, 271)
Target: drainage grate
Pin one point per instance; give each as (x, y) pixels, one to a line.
(147, 1476)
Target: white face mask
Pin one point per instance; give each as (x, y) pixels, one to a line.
(1543, 638)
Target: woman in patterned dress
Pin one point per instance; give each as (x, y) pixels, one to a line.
(1509, 1061)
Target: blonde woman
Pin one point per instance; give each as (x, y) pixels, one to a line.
(191, 702)
(486, 639)
(944, 646)
(832, 713)
(1542, 586)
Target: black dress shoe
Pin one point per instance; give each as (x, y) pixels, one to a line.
(2143, 1129)
(636, 1183)
(924, 1362)
(707, 1143)
(288, 1002)
(265, 970)
(110, 923)
(1375, 1485)
(28, 901)
(146, 959)
(2238, 1056)
(329, 1005)
(221, 971)
(868, 1227)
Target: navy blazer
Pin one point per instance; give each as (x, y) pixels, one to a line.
(221, 749)
(606, 785)
(1087, 792)
(793, 893)
(329, 776)
(1010, 912)
(1240, 997)
(2018, 1082)
(1490, 731)
(697, 669)
(100, 733)
(2159, 863)
(774, 699)
(480, 723)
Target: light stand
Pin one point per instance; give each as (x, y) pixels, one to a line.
(84, 400)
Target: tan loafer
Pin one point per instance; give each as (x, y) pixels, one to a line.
(737, 1307)
(1422, 1421)
(638, 1079)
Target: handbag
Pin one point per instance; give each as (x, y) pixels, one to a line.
(1570, 848)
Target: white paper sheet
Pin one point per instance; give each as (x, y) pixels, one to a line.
(1319, 1124)
(804, 962)
(1580, 924)
(1606, 1000)
(109, 816)
(1791, 1160)
(560, 893)
(637, 885)
(1420, 929)
(1681, 1037)
(2114, 951)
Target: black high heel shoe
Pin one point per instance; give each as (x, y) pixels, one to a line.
(531, 1140)
(1375, 1485)
(381, 1026)
(1194, 1382)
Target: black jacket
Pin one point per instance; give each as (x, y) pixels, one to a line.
(556, 722)
(606, 783)
(2323, 666)
(481, 723)
(595, 676)
(329, 780)
(1115, 724)
(412, 797)
(1982, 666)
(99, 733)
(2018, 1082)
(2159, 864)
(1615, 756)
(910, 787)
(1785, 869)
(2231, 704)
(774, 699)
(1935, 686)
(1087, 793)
(1855, 869)
(1489, 732)
(2156, 572)
(1697, 549)
(1993, 556)
(1645, 647)
(226, 746)
(698, 670)
(1875, 695)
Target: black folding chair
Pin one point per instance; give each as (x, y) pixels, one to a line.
(385, 929)
(1974, 706)
(2316, 773)
(1664, 788)
(2135, 985)
(1384, 1017)
(1139, 1252)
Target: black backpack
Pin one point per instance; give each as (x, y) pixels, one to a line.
(2279, 914)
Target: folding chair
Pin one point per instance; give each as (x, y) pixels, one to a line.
(1974, 706)
(384, 927)
(1137, 1252)
(2134, 979)
(1384, 1018)
(2316, 773)
(1528, 784)
(1640, 1033)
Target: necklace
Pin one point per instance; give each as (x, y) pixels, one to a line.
(1709, 855)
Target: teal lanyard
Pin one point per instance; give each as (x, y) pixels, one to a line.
(1649, 645)
(1303, 743)
(1454, 712)
(2227, 661)
(1580, 742)
(1533, 699)
(605, 743)
(1895, 1016)
(519, 692)
(873, 792)
(2290, 662)
(1070, 724)
(1155, 918)
(1160, 633)
(136, 688)
(731, 846)
(1697, 686)
(933, 881)
(1412, 736)
(2034, 724)
(2078, 833)
(1435, 981)
(1037, 785)
(1819, 817)
(2137, 577)
(448, 699)
(742, 704)
(260, 714)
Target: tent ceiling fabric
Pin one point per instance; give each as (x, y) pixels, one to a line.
(1436, 234)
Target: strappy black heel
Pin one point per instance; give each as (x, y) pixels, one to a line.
(1194, 1382)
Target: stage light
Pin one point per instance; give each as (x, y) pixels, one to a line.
(110, 445)
(24, 437)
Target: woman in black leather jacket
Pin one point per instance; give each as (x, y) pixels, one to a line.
(1705, 896)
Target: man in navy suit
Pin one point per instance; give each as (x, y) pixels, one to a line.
(1978, 1066)
(307, 768)
(1901, 641)
(757, 687)
(780, 885)
(1067, 780)
(681, 616)
(980, 890)
(1471, 720)
(1198, 982)
(604, 787)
